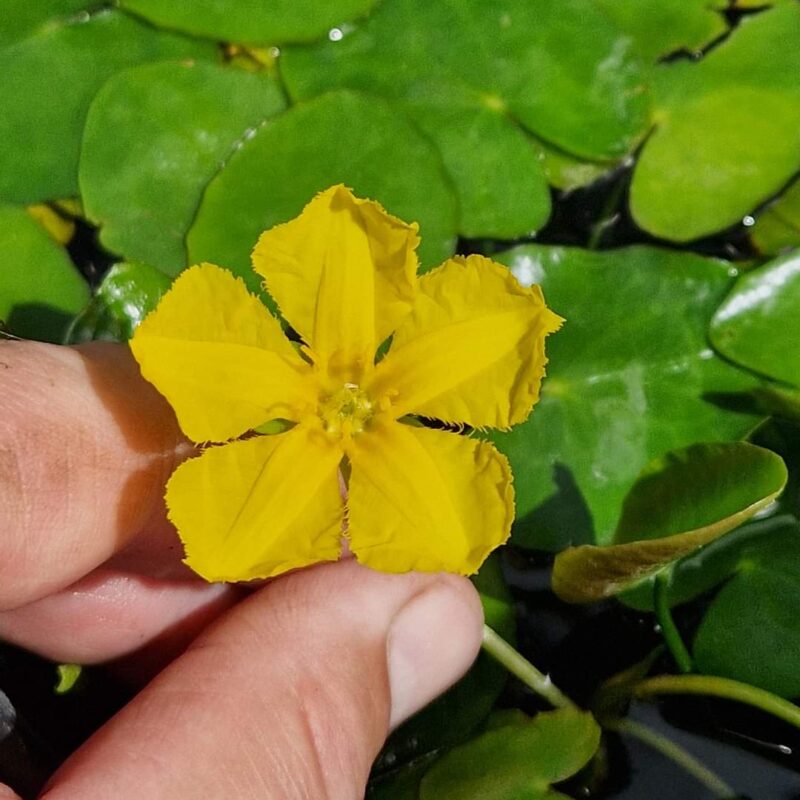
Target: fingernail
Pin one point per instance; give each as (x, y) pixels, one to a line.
(432, 642)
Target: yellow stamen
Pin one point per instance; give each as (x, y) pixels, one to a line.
(346, 412)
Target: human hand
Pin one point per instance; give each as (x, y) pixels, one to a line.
(288, 694)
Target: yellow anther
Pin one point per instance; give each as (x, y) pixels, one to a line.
(346, 412)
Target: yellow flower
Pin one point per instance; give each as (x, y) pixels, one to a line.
(467, 347)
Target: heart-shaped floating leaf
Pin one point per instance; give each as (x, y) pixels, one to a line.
(728, 130)
(661, 27)
(516, 761)
(342, 137)
(251, 21)
(174, 125)
(751, 631)
(558, 70)
(778, 226)
(758, 325)
(680, 503)
(450, 719)
(127, 294)
(630, 377)
(49, 80)
(495, 168)
(40, 289)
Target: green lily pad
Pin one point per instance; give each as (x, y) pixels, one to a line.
(778, 226)
(727, 131)
(174, 126)
(758, 325)
(455, 715)
(560, 71)
(630, 377)
(342, 137)
(22, 18)
(251, 21)
(516, 761)
(49, 80)
(126, 295)
(495, 168)
(751, 631)
(680, 503)
(40, 289)
(661, 27)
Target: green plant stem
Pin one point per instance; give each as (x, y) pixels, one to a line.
(499, 649)
(725, 688)
(669, 629)
(673, 751)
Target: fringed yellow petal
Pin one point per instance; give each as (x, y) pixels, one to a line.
(259, 507)
(426, 500)
(472, 350)
(219, 357)
(343, 274)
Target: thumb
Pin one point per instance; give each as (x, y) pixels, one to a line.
(290, 695)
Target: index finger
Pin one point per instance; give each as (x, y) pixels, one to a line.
(86, 446)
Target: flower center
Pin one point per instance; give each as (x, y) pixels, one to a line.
(346, 411)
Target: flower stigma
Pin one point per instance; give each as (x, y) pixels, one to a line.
(346, 412)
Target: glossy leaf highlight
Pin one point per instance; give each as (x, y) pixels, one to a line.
(679, 504)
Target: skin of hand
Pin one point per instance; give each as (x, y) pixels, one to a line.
(287, 691)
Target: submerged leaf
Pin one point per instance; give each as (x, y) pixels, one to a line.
(680, 503)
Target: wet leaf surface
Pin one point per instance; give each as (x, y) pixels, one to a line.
(758, 325)
(632, 352)
(127, 293)
(251, 21)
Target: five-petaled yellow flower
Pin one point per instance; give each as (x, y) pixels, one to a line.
(467, 347)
